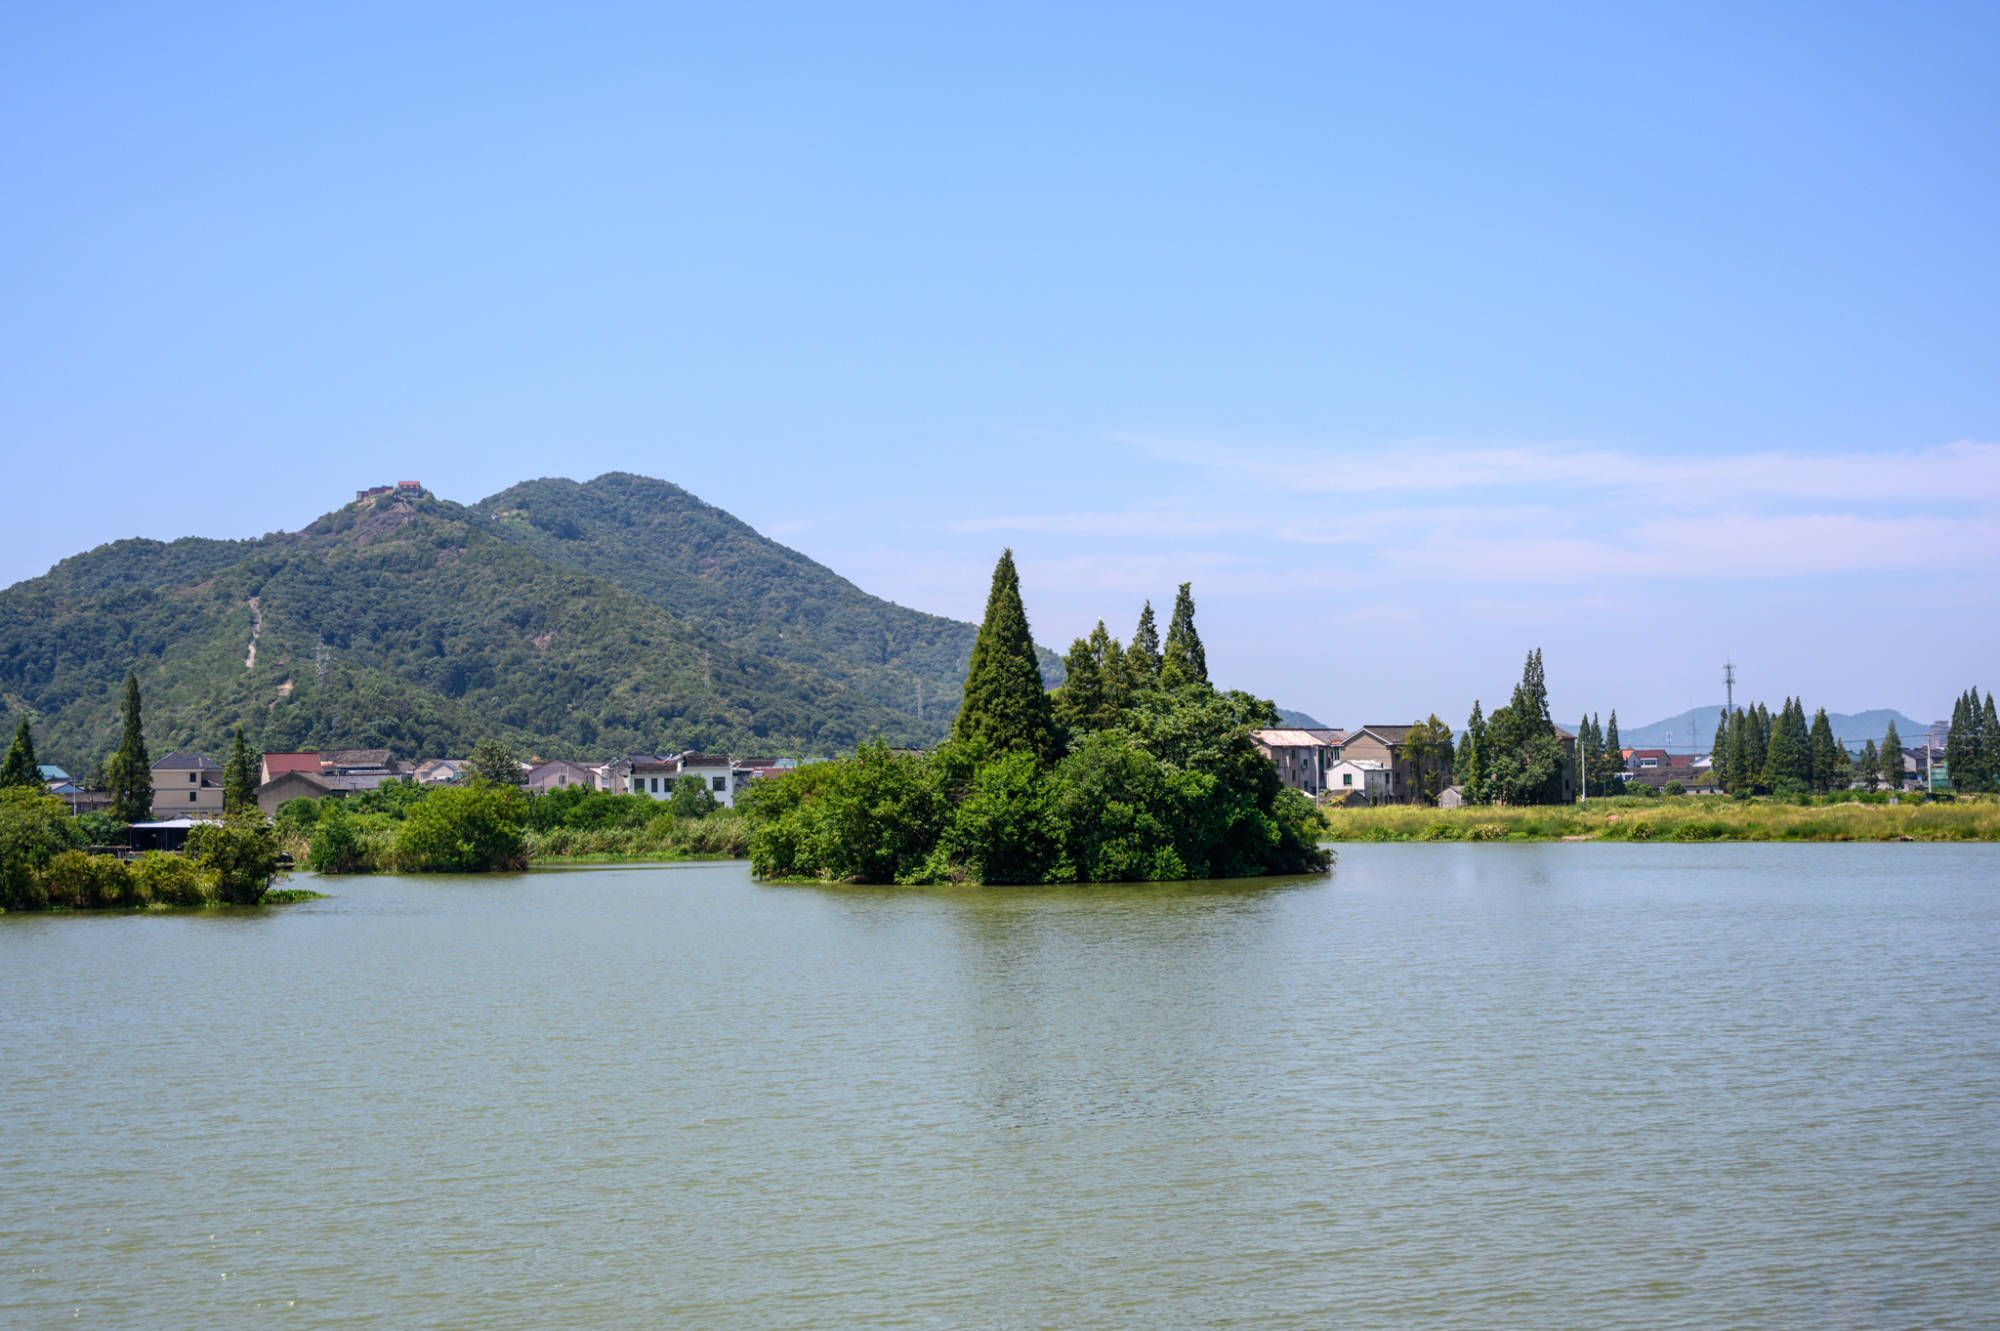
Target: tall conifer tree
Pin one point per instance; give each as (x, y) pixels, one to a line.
(1829, 760)
(1892, 758)
(1142, 655)
(1871, 766)
(239, 778)
(1614, 754)
(1005, 704)
(1079, 702)
(1989, 741)
(20, 768)
(1183, 661)
(129, 772)
(1718, 751)
(1470, 766)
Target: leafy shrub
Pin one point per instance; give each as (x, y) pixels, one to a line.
(473, 829)
(171, 880)
(82, 881)
(239, 856)
(1487, 832)
(335, 842)
(35, 827)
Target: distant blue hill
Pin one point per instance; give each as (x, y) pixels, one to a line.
(1298, 720)
(1691, 731)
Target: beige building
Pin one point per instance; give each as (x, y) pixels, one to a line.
(187, 785)
(1302, 757)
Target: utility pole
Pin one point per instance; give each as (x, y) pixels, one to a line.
(1729, 685)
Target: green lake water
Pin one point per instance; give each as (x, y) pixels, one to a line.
(1544, 1086)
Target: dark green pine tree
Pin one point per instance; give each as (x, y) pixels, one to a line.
(1005, 703)
(1142, 655)
(1961, 736)
(1589, 753)
(1829, 760)
(1614, 755)
(1869, 770)
(239, 778)
(1892, 758)
(20, 769)
(1718, 751)
(1079, 702)
(1183, 662)
(1110, 670)
(1470, 765)
(1989, 745)
(129, 773)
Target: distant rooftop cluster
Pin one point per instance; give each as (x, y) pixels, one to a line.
(408, 489)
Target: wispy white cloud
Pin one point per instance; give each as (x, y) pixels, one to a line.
(1948, 474)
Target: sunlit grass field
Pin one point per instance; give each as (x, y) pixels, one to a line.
(1686, 818)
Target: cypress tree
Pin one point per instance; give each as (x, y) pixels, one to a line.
(1989, 740)
(1718, 751)
(1892, 758)
(239, 778)
(20, 769)
(1871, 766)
(129, 772)
(1005, 704)
(1962, 735)
(1142, 656)
(1079, 702)
(1829, 761)
(1471, 764)
(1184, 661)
(1110, 670)
(1614, 754)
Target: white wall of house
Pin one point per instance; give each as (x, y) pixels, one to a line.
(1344, 778)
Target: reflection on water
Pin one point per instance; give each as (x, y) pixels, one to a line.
(1452, 1086)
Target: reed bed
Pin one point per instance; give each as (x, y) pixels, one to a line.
(1692, 818)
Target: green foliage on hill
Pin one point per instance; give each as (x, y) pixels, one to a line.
(420, 626)
(716, 572)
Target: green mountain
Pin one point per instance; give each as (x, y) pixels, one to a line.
(719, 575)
(423, 626)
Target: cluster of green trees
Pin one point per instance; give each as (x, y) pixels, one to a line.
(1515, 755)
(1759, 752)
(45, 863)
(1972, 750)
(1137, 768)
(490, 823)
(1600, 756)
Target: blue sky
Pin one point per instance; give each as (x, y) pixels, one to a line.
(1415, 336)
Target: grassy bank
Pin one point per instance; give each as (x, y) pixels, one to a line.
(718, 836)
(1693, 818)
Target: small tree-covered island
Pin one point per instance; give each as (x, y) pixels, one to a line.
(1135, 769)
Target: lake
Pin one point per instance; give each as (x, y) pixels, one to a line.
(1448, 1086)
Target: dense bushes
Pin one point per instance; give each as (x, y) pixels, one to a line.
(43, 865)
(471, 829)
(1108, 812)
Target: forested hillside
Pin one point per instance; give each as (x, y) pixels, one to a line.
(410, 623)
(720, 575)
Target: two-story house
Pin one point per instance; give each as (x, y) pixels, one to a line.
(187, 785)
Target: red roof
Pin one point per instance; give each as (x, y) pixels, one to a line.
(279, 763)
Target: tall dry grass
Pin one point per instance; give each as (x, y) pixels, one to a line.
(1693, 818)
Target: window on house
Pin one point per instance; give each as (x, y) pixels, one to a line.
(721, 783)
(193, 776)
(1347, 778)
(193, 795)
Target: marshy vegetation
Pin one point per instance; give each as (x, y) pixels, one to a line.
(1858, 817)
